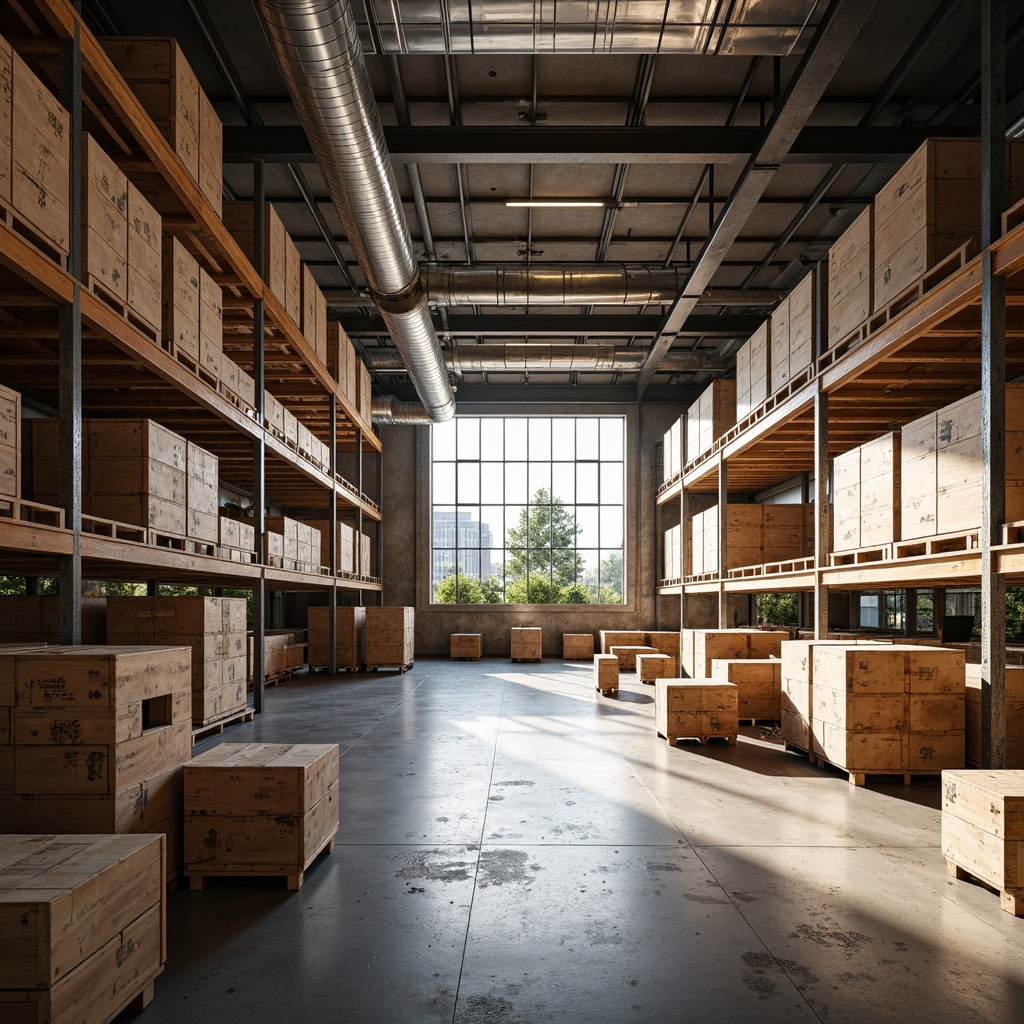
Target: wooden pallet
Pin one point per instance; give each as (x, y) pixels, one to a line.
(216, 728)
(1011, 900)
(401, 669)
(612, 691)
(226, 551)
(462, 657)
(294, 879)
(862, 778)
(113, 529)
(22, 511)
(197, 369)
(948, 543)
(702, 740)
(167, 540)
(535, 661)
(200, 547)
(862, 556)
(123, 310)
(13, 220)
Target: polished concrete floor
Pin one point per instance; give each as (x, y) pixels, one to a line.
(515, 849)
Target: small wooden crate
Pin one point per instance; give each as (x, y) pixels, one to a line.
(625, 637)
(983, 830)
(655, 666)
(577, 646)
(466, 645)
(606, 673)
(260, 809)
(82, 925)
(527, 642)
(702, 646)
(760, 685)
(627, 655)
(700, 708)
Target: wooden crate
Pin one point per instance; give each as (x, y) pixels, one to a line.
(104, 222)
(756, 534)
(1014, 716)
(180, 290)
(655, 666)
(577, 646)
(40, 159)
(350, 635)
(792, 334)
(340, 355)
(202, 496)
(625, 637)
(753, 372)
(666, 641)
(239, 219)
(211, 325)
(213, 628)
(35, 618)
(851, 277)
(710, 417)
(672, 560)
(145, 259)
(465, 645)
(672, 452)
(10, 443)
(941, 466)
(292, 281)
(283, 653)
(288, 529)
(983, 830)
(82, 923)
(527, 642)
(866, 494)
(344, 544)
(759, 681)
(6, 113)
(314, 315)
(627, 654)
(211, 154)
(701, 646)
(928, 209)
(260, 809)
(606, 673)
(699, 708)
(390, 637)
(236, 536)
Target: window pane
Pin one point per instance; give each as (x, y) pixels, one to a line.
(444, 566)
(468, 433)
(611, 439)
(444, 483)
(611, 482)
(563, 481)
(442, 435)
(611, 526)
(515, 439)
(540, 439)
(587, 439)
(611, 576)
(515, 525)
(587, 521)
(469, 482)
(444, 527)
(492, 438)
(540, 480)
(492, 482)
(586, 482)
(563, 438)
(492, 525)
(516, 489)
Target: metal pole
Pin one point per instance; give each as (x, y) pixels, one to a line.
(69, 319)
(259, 495)
(684, 546)
(821, 463)
(723, 541)
(332, 541)
(993, 388)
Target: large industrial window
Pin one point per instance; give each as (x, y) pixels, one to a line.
(528, 510)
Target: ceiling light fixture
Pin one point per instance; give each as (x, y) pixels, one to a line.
(560, 203)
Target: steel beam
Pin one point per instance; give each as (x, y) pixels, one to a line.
(723, 542)
(821, 464)
(259, 489)
(332, 542)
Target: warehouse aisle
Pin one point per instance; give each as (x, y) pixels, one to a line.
(514, 850)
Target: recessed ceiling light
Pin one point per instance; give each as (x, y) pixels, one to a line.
(562, 203)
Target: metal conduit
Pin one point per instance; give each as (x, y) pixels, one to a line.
(316, 44)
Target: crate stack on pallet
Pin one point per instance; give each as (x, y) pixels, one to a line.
(700, 647)
(753, 372)
(213, 628)
(35, 618)
(237, 538)
(710, 417)
(866, 496)
(10, 445)
(284, 651)
(350, 637)
(672, 555)
(791, 335)
(527, 643)
(851, 277)
(300, 544)
(755, 534)
(390, 637)
(97, 739)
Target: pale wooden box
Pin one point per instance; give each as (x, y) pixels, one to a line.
(700, 708)
(672, 457)
(1014, 716)
(791, 334)
(627, 655)
(672, 554)
(180, 300)
(10, 443)
(350, 636)
(983, 830)
(760, 685)
(465, 645)
(606, 673)
(145, 260)
(655, 666)
(390, 637)
(710, 417)
(851, 277)
(577, 646)
(625, 637)
(260, 809)
(702, 646)
(753, 372)
(105, 221)
(239, 219)
(82, 926)
(665, 641)
(527, 642)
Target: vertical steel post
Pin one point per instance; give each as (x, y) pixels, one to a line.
(723, 541)
(69, 321)
(821, 463)
(332, 543)
(380, 524)
(684, 546)
(259, 447)
(993, 387)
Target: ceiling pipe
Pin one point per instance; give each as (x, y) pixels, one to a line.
(389, 411)
(316, 43)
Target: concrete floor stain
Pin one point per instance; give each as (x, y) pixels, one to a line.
(505, 867)
(849, 942)
(436, 866)
(486, 1010)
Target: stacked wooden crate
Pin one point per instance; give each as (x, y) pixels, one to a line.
(202, 495)
(941, 467)
(342, 361)
(211, 328)
(283, 652)
(930, 208)
(756, 534)
(672, 453)
(36, 618)
(104, 224)
(753, 372)
(282, 266)
(701, 647)
(180, 291)
(1014, 716)
(700, 708)
(758, 682)
(851, 277)
(35, 157)
(145, 263)
(526, 643)
(237, 539)
(345, 549)
(301, 541)
(236, 385)
(164, 83)
(213, 628)
(792, 334)
(97, 740)
(82, 926)
(866, 494)
(314, 315)
(350, 637)
(616, 637)
(390, 637)
(710, 417)
(10, 443)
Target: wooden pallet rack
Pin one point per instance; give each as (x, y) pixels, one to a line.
(125, 374)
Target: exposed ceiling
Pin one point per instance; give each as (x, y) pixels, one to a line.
(652, 110)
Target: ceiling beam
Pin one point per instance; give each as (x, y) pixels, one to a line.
(444, 144)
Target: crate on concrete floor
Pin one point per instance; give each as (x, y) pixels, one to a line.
(627, 654)
(666, 642)
(390, 637)
(82, 926)
(606, 673)
(697, 708)
(655, 666)
(283, 652)
(624, 637)
(983, 830)
(350, 636)
(465, 646)
(577, 646)
(260, 809)
(760, 685)
(1014, 716)
(526, 643)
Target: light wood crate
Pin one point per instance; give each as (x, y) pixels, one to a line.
(10, 443)
(697, 708)
(390, 637)
(655, 666)
(526, 643)
(701, 646)
(627, 654)
(577, 646)
(710, 417)
(465, 646)
(1014, 716)
(666, 641)
(606, 673)
(350, 636)
(851, 277)
(753, 372)
(792, 334)
(624, 637)
(760, 685)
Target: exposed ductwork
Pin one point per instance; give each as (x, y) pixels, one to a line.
(389, 411)
(316, 43)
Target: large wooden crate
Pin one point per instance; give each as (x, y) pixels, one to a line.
(866, 494)
(340, 356)
(630, 637)
(701, 647)
(260, 809)
(82, 926)
(929, 208)
(666, 642)
(213, 628)
(655, 666)
(755, 534)
(672, 453)
(344, 544)
(672, 560)
(145, 260)
(239, 219)
(698, 708)
(180, 305)
(1014, 716)
(792, 334)
(10, 443)
(851, 277)
(104, 222)
(526, 643)
(710, 417)
(211, 154)
(36, 618)
(577, 646)
(350, 636)
(759, 681)
(211, 326)
(941, 467)
(6, 113)
(390, 637)
(202, 496)
(753, 372)
(314, 315)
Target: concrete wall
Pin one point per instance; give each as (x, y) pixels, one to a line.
(406, 511)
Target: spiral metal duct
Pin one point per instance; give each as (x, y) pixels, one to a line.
(389, 411)
(316, 44)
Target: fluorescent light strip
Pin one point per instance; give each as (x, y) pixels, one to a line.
(561, 203)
